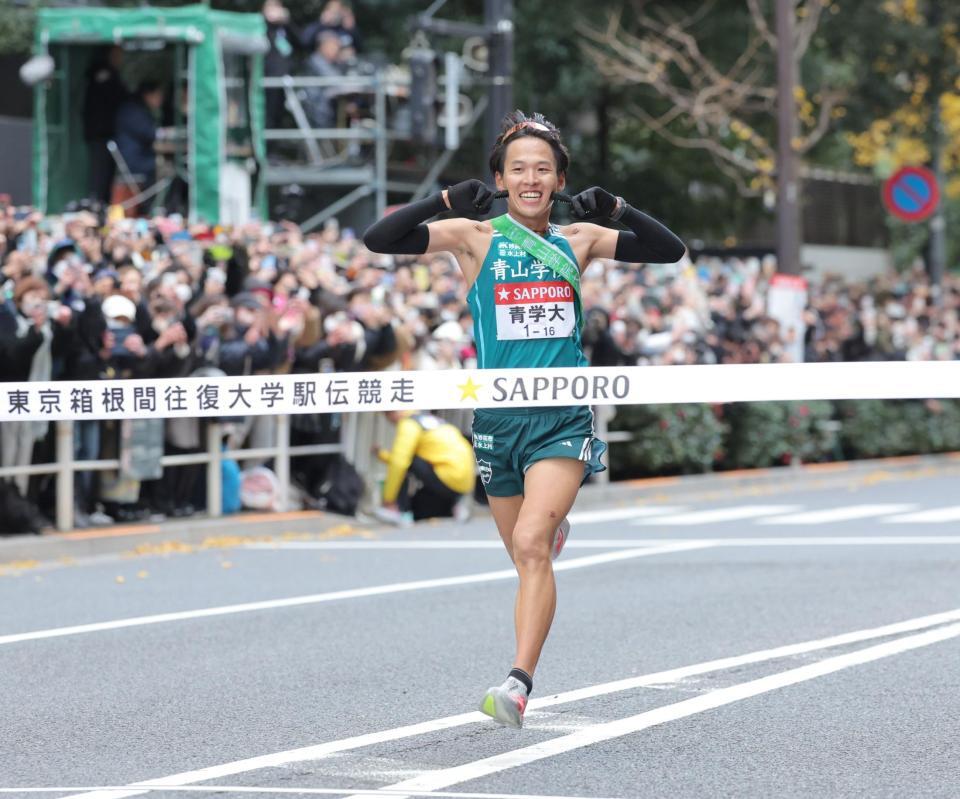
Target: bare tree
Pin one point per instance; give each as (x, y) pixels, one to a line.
(722, 109)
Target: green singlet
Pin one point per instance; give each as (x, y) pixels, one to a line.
(524, 314)
(527, 316)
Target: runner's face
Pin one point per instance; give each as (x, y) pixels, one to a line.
(530, 175)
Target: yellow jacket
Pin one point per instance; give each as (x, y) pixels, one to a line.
(440, 444)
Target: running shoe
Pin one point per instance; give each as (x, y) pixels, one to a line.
(560, 537)
(505, 703)
(391, 516)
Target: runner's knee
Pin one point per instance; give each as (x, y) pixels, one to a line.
(530, 546)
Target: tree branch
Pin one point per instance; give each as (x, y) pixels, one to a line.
(830, 101)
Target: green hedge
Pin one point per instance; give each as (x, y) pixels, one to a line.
(667, 439)
(686, 439)
(775, 433)
(878, 428)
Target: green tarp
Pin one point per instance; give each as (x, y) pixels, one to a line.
(213, 43)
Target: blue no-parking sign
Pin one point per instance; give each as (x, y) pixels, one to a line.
(911, 193)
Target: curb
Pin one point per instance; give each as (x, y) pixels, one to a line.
(777, 475)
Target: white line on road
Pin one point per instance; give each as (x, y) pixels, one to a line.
(842, 514)
(618, 514)
(597, 733)
(113, 789)
(318, 751)
(736, 513)
(613, 543)
(352, 593)
(932, 516)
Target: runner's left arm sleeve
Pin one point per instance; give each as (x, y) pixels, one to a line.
(647, 240)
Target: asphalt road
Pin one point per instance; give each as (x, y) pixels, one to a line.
(789, 636)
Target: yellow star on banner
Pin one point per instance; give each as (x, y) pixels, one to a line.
(469, 390)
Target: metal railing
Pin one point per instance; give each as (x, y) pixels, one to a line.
(65, 467)
(322, 154)
(359, 434)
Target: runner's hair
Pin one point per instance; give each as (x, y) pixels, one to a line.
(517, 124)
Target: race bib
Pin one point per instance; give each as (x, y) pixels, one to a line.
(535, 310)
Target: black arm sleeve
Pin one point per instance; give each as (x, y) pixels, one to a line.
(403, 231)
(647, 240)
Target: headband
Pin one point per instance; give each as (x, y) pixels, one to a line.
(527, 123)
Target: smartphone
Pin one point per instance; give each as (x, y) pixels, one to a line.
(28, 240)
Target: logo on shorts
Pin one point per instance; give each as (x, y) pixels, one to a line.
(486, 471)
(481, 441)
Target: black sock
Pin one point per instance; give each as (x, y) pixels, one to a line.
(525, 678)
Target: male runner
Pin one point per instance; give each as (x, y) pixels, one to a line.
(532, 460)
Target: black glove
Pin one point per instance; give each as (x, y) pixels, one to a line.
(470, 197)
(594, 203)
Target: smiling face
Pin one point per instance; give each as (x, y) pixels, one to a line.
(530, 176)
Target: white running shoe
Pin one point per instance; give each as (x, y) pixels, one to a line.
(506, 703)
(391, 516)
(463, 509)
(560, 536)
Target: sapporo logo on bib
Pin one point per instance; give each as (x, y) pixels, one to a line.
(544, 309)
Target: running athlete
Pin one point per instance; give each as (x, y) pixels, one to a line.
(532, 461)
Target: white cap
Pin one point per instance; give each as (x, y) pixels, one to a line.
(116, 306)
(449, 331)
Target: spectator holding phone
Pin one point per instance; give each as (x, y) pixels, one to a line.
(27, 335)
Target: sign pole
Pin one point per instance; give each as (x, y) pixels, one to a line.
(788, 182)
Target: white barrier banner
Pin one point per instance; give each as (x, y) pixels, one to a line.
(493, 388)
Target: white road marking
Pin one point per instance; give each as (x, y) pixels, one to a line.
(444, 778)
(735, 513)
(932, 516)
(473, 543)
(111, 789)
(613, 543)
(618, 514)
(318, 751)
(841, 514)
(352, 593)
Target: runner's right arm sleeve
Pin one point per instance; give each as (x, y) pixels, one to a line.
(403, 232)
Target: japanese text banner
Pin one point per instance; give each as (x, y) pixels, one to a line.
(492, 388)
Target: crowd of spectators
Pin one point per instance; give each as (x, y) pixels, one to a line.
(84, 298)
(328, 46)
(87, 298)
(716, 310)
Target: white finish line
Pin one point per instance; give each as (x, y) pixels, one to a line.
(352, 593)
(318, 751)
